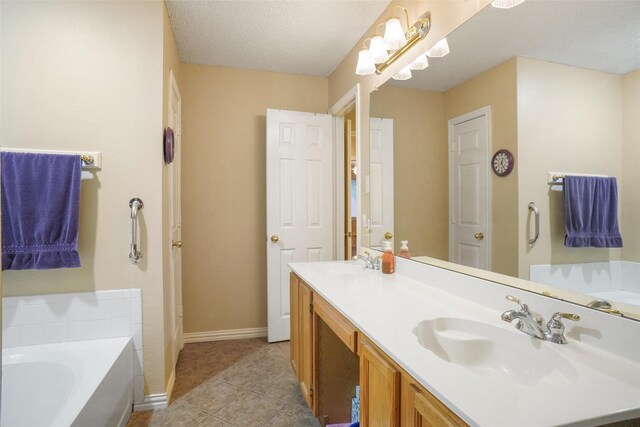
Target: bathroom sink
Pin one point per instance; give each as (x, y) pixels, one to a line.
(492, 351)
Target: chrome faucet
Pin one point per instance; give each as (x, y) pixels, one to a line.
(527, 323)
(371, 263)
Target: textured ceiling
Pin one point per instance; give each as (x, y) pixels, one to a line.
(597, 35)
(295, 36)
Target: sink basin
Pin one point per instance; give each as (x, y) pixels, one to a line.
(489, 350)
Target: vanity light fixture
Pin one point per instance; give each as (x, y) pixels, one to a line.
(378, 50)
(505, 4)
(365, 63)
(439, 50)
(420, 63)
(404, 74)
(395, 43)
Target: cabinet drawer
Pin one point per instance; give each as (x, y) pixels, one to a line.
(337, 322)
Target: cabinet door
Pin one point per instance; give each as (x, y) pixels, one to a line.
(295, 323)
(306, 343)
(379, 390)
(422, 409)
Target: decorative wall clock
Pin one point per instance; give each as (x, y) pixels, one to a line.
(502, 162)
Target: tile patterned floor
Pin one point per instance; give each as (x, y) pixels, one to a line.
(232, 383)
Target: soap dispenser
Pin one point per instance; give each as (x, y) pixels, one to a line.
(388, 260)
(404, 249)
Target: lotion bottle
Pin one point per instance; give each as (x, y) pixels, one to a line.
(404, 249)
(388, 260)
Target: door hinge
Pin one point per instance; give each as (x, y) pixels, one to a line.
(310, 391)
(311, 306)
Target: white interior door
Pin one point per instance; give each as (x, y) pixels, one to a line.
(300, 203)
(380, 182)
(175, 219)
(469, 190)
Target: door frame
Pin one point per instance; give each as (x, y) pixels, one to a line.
(175, 293)
(480, 112)
(350, 99)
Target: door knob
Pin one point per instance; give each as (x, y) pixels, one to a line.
(479, 236)
(388, 236)
(176, 243)
(274, 238)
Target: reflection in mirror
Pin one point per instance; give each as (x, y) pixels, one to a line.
(559, 97)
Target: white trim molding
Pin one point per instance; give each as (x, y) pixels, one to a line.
(152, 402)
(229, 334)
(170, 383)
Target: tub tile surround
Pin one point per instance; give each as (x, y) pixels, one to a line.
(57, 318)
(419, 291)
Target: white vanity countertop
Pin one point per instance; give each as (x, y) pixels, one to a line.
(598, 387)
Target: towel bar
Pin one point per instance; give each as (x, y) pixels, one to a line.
(135, 256)
(91, 160)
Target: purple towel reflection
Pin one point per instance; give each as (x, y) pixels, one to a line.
(591, 212)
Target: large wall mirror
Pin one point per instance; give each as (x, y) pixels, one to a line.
(557, 85)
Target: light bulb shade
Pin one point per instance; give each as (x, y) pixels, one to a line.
(420, 63)
(404, 74)
(439, 50)
(393, 35)
(505, 4)
(377, 50)
(365, 64)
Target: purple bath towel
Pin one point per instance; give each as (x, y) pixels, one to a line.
(591, 212)
(40, 211)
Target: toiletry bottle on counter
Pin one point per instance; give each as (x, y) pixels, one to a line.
(404, 249)
(388, 260)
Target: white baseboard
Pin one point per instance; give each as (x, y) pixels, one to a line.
(152, 402)
(229, 334)
(159, 400)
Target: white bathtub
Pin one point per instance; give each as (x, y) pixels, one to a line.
(82, 383)
(614, 281)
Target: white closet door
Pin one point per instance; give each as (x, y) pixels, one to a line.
(300, 203)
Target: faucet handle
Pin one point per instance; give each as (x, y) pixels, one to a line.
(556, 317)
(555, 327)
(523, 305)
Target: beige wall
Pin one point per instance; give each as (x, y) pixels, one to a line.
(630, 194)
(569, 120)
(223, 204)
(88, 76)
(171, 62)
(420, 172)
(497, 89)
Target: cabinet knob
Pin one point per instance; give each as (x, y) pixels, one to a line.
(176, 243)
(479, 236)
(388, 236)
(274, 238)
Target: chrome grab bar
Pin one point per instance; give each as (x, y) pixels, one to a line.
(532, 207)
(135, 256)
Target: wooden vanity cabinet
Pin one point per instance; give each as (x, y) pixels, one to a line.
(323, 356)
(301, 315)
(379, 388)
(421, 409)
